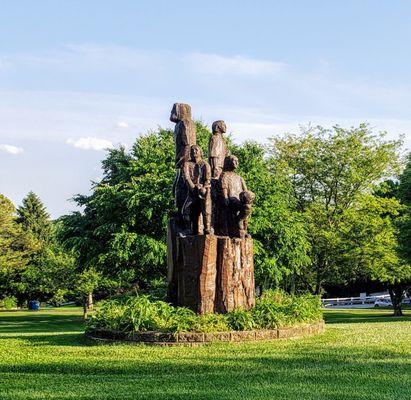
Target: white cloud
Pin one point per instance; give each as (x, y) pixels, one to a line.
(8, 148)
(90, 143)
(122, 124)
(215, 64)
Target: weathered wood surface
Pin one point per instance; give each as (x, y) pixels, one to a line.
(208, 273)
(235, 274)
(197, 272)
(172, 262)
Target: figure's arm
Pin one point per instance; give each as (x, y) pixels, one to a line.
(224, 189)
(187, 177)
(207, 178)
(227, 150)
(212, 146)
(243, 185)
(214, 166)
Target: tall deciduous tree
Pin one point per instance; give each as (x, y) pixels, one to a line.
(280, 238)
(122, 230)
(402, 280)
(333, 172)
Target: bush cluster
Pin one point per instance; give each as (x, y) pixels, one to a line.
(8, 303)
(138, 314)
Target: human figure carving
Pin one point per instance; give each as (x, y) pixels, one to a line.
(184, 138)
(217, 148)
(237, 199)
(197, 175)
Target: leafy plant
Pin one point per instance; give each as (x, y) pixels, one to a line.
(240, 320)
(9, 303)
(140, 313)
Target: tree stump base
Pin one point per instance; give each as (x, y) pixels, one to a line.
(209, 273)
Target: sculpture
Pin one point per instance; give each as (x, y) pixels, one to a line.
(217, 148)
(210, 265)
(237, 200)
(184, 138)
(197, 175)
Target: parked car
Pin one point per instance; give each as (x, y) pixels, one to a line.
(383, 302)
(406, 301)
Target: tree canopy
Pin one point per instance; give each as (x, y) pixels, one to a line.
(328, 211)
(333, 173)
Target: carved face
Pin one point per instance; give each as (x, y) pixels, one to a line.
(247, 197)
(173, 115)
(219, 126)
(230, 163)
(180, 112)
(195, 153)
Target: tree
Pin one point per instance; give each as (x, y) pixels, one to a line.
(333, 172)
(121, 232)
(15, 249)
(48, 268)
(122, 229)
(402, 280)
(280, 238)
(87, 281)
(378, 232)
(33, 217)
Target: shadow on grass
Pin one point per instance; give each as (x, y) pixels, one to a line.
(223, 373)
(61, 339)
(312, 368)
(39, 322)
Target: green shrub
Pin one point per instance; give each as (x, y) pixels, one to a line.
(9, 303)
(241, 320)
(276, 308)
(210, 323)
(138, 313)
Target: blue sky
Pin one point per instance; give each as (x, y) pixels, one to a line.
(79, 76)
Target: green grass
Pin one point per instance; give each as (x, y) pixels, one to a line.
(364, 354)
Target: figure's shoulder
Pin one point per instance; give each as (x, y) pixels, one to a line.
(226, 176)
(189, 124)
(188, 165)
(186, 125)
(214, 143)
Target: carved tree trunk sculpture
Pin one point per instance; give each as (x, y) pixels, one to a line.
(235, 274)
(212, 272)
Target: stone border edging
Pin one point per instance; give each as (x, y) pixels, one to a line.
(196, 338)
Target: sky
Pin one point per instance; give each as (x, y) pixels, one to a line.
(78, 77)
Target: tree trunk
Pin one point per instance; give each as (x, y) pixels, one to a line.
(90, 301)
(318, 279)
(292, 284)
(397, 294)
(85, 310)
(318, 285)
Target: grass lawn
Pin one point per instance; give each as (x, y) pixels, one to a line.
(364, 354)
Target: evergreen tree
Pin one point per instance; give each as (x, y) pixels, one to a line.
(49, 268)
(33, 217)
(15, 249)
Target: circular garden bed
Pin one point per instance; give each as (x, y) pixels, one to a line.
(197, 338)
